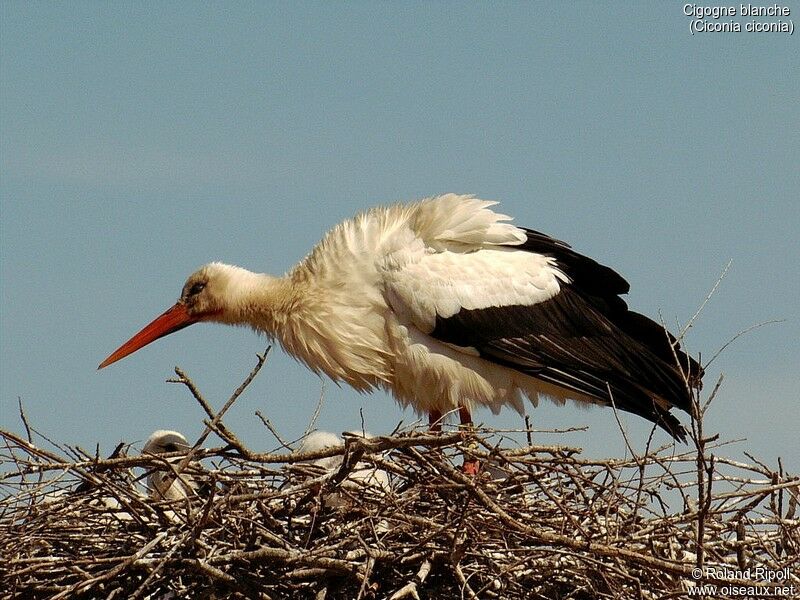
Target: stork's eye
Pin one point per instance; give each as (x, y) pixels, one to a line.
(197, 288)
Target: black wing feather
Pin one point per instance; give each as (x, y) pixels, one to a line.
(601, 286)
(583, 339)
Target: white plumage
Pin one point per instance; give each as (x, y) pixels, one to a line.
(166, 484)
(449, 306)
(363, 475)
(322, 440)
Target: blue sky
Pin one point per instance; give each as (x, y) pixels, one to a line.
(141, 140)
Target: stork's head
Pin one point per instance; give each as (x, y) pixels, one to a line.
(208, 295)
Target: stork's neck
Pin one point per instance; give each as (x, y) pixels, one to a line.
(261, 301)
(313, 320)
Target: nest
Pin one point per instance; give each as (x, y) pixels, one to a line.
(537, 522)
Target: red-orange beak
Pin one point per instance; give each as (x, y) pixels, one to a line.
(170, 321)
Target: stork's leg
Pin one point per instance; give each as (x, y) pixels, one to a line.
(471, 465)
(435, 420)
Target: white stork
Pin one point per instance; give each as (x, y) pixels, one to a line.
(361, 477)
(165, 484)
(450, 307)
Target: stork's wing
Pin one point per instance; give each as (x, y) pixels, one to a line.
(547, 311)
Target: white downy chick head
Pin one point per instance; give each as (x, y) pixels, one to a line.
(163, 441)
(321, 440)
(163, 483)
(362, 476)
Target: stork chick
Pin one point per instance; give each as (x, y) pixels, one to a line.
(165, 484)
(361, 477)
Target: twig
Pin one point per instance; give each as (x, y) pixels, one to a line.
(410, 589)
(713, 290)
(740, 334)
(24, 420)
(315, 415)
